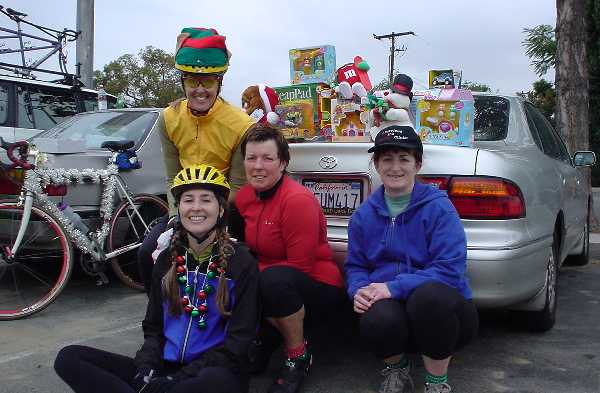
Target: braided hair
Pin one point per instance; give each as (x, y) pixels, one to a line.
(179, 245)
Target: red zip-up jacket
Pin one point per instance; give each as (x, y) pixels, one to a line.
(288, 229)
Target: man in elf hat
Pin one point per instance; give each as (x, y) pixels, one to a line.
(202, 128)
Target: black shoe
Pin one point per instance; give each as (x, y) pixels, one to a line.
(292, 374)
(259, 356)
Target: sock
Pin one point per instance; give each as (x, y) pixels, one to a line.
(298, 351)
(435, 379)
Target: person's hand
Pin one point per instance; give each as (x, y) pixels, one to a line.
(160, 385)
(379, 291)
(142, 378)
(363, 300)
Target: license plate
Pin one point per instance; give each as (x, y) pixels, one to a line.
(336, 197)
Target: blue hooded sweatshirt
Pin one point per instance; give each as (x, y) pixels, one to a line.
(424, 243)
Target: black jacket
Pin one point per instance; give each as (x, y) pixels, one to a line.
(241, 327)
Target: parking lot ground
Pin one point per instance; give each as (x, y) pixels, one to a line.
(501, 359)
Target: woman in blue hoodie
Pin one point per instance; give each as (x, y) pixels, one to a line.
(406, 268)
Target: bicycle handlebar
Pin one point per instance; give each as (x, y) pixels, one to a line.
(22, 151)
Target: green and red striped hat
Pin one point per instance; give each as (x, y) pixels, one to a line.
(201, 51)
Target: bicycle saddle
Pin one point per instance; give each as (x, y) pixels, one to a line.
(117, 145)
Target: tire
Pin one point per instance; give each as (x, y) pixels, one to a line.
(125, 231)
(32, 279)
(543, 320)
(583, 258)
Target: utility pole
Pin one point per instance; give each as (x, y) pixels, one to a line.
(393, 49)
(85, 43)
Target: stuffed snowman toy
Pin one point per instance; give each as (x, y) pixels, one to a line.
(395, 111)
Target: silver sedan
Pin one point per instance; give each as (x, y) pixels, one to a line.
(520, 194)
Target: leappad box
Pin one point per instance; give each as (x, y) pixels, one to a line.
(298, 110)
(314, 64)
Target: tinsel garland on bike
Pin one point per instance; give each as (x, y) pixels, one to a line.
(37, 179)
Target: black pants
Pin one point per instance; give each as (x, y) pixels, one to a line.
(145, 262)
(91, 370)
(435, 321)
(284, 290)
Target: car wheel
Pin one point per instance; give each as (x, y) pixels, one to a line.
(583, 258)
(543, 320)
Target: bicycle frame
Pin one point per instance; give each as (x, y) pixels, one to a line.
(92, 244)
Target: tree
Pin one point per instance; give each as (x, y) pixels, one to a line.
(476, 86)
(540, 45)
(593, 32)
(146, 80)
(543, 96)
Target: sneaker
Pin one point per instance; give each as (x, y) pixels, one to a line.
(396, 380)
(437, 388)
(259, 356)
(292, 374)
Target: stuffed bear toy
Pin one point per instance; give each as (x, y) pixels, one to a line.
(393, 105)
(352, 79)
(259, 102)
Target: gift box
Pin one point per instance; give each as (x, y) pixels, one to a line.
(444, 116)
(312, 65)
(348, 118)
(303, 109)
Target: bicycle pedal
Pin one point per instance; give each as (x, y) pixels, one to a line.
(101, 279)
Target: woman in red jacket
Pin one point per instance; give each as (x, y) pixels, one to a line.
(287, 231)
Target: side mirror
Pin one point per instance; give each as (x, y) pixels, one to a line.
(584, 158)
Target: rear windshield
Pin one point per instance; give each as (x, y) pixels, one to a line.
(491, 118)
(98, 127)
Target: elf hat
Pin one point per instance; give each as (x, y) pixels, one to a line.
(269, 97)
(201, 51)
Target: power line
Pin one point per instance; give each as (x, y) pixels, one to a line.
(392, 37)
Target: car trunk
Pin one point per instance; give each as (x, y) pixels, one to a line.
(342, 175)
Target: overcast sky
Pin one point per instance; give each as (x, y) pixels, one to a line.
(481, 38)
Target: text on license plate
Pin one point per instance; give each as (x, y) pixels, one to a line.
(336, 197)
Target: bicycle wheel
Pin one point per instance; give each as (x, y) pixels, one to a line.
(39, 271)
(126, 228)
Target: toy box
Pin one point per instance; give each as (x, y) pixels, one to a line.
(311, 102)
(348, 118)
(444, 116)
(444, 79)
(312, 65)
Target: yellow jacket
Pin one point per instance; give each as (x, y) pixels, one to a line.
(211, 139)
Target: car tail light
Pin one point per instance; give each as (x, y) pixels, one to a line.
(481, 197)
(11, 181)
(440, 182)
(56, 190)
(9, 188)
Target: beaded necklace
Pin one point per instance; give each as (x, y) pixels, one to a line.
(197, 305)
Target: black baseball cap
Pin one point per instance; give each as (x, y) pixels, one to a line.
(397, 136)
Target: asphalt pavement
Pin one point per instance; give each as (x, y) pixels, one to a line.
(501, 359)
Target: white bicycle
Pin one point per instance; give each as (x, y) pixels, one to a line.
(37, 239)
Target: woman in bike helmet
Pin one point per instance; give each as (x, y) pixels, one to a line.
(202, 128)
(203, 308)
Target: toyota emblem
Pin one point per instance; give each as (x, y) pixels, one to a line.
(328, 162)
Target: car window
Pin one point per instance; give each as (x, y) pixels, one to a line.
(90, 101)
(43, 107)
(3, 104)
(491, 118)
(551, 143)
(533, 130)
(98, 127)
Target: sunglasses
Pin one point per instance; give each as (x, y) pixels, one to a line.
(194, 81)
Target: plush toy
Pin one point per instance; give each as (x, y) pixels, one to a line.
(353, 79)
(390, 106)
(259, 102)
